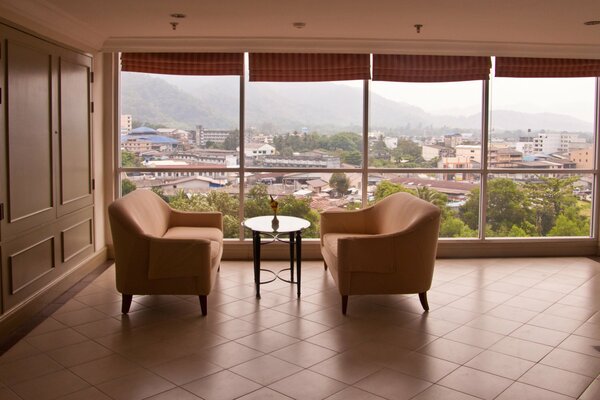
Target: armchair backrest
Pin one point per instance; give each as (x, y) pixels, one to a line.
(141, 212)
(401, 211)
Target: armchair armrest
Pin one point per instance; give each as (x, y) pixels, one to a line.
(373, 253)
(176, 258)
(355, 221)
(209, 219)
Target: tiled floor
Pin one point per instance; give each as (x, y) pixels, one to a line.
(497, 329)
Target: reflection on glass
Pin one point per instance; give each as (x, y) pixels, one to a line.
(528, 205)
(458, 200)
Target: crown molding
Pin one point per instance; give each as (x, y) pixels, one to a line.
(43, 18)
(338, 45)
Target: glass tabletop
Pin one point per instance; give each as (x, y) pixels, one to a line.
(285, 224)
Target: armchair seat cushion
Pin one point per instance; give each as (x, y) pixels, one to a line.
(191, 232)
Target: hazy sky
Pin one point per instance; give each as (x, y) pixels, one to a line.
(573, 97)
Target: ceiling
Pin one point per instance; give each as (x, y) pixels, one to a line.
(515, 27)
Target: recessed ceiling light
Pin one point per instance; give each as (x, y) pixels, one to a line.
(594, 22)
(299, 25)
(178, 15)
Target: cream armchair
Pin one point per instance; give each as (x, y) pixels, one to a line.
(388, 248)
(159, 250)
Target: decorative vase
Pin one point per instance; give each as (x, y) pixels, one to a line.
(275, 223)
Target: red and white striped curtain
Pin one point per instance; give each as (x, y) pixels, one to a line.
(184, 63)
(425, 68)
(523, 67)
(305, 67)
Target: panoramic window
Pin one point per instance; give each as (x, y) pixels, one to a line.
(541, 150)
(304, 142)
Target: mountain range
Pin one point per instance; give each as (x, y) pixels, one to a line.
(179, 102)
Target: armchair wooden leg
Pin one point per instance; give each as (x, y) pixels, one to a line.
(203, 304)
(344, 304)
(126, 303)
(423, 299)
(325, 265)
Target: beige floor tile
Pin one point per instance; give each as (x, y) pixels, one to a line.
(138, 385)
(90, 393)
(56, 339)
(476, 383)
(450, 350)
(592, 392)
(512, 313)
(174, 394)
(589, 330)
(264, 394)
(268, 318)
(581, 344)
(436, 327)
(186, 369)
(494, 324)
(520, 390)
(500, 364)
(106, 369)
(229, 354)
(267, 341)
(238, 308)
(224, 385)
(536, 334)
(393, 385)
(521, 348)
(474, 337)
(48, 325)
(301, 328)
(403, 338)
(97, 329)
(27, 368)
(304, 354)
(556, 380)
(436, 392)
(554, 322)
(79, 353)
(354, 394)
(421, 366)
(575, 362)
(298, 308)
(348, 368)
(79, 317)
(571, 312)
(452, 314)
(339, 339)
(266, 369)
(20, 350)
(307, 385)
(235, 329)
(50, 386)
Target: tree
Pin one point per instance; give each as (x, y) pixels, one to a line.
(257, 203)
(130, 160)
(340, 183)
(386, 188)
(549, 198)
(232, 141)
(127, 186)
(507, 205)
(454, 227)
(352, 157)
(159, 191)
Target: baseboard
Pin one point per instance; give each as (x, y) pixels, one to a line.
(19, 315)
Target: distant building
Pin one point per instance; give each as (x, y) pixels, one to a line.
(504, 157)
(469, 151)
(554, 142)
(299, 161)
(431, 151)
(126, 123)
(258, 149)
(144, 139)
(225, 158)
(204, 136)
(583, 158)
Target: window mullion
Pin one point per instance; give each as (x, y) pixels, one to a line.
(485, 119)
(365, 141)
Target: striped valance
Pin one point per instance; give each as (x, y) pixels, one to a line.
(522, 67)
(424, 68)
(306, 67)
(184, 63)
